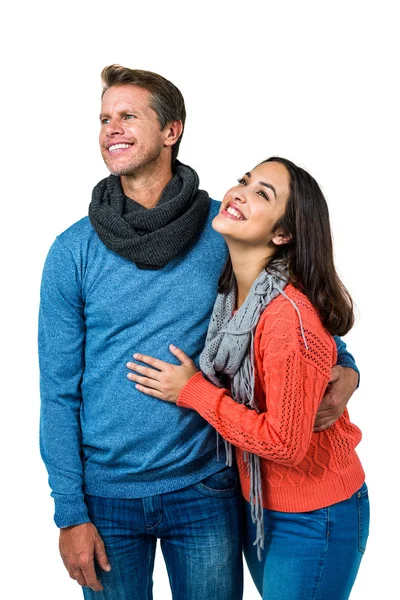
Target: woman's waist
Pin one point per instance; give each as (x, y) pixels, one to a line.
(311, 485)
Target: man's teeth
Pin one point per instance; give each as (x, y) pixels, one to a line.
(118, 147)
(234, 213)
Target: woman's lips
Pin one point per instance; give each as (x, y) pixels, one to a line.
(232, 212)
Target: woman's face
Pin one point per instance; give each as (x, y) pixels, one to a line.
(251, 209)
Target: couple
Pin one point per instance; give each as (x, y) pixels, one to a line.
(129, 442)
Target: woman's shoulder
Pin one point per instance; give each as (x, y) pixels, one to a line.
(282, 325)
(283, 306)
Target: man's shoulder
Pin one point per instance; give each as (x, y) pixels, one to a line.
(214, 207)
(78, 238)
(79, 230)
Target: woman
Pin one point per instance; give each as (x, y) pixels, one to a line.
(270, 342)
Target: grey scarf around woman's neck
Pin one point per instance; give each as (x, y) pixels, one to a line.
(229, 350)
(150, 238)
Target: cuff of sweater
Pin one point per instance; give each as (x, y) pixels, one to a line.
(70, 509)
(346, 360)
(195, 389)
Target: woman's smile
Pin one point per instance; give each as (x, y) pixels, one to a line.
(232, 211)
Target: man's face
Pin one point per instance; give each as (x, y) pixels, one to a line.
(130, 135)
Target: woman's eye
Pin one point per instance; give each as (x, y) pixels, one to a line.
(242, 181)
(263, 194)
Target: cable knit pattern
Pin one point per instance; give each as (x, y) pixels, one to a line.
(301, 470)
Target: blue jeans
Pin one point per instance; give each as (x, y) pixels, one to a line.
(201, 540)
(309, 556)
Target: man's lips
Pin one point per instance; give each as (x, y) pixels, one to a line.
(232, 212)
(117, 148)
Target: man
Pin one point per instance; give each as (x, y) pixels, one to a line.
(124, 468)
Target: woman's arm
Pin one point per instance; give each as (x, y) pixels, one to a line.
(294, 381)
(283, 433)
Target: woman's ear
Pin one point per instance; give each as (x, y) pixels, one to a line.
(280, 237)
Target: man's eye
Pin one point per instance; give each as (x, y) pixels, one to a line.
(242, 181)
(104, 121)
(129, 117)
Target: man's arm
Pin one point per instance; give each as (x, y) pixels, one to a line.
(344, 381)
(61, 358)
(61, 347)
(344, 358)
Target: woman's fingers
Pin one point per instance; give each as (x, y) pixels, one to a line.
(145, 381)
(152, 392)
(160, 364)
(149, 360)
(180, 355)
(151, 373)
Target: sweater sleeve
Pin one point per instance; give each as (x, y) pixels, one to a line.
(61, 359)
(344, 358)
(294, 386)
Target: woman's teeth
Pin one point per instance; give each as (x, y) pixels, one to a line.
(235, 213)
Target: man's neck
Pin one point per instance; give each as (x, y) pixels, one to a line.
(146, 186)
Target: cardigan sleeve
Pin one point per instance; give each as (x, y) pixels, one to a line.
(294, 382)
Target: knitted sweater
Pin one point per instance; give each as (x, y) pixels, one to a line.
(99, 435)
(301, 470)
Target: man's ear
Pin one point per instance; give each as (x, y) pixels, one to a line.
(173, 131)
(280, 237)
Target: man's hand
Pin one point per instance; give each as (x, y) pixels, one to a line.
(79, 546)
(341, 386)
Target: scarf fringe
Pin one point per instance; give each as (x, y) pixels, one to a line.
(229, 350)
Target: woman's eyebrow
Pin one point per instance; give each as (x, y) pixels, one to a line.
(268, 185)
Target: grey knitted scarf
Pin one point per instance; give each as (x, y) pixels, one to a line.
(229, 350)
(150, 238)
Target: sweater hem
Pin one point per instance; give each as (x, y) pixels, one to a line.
(311, 495)
(212, 463)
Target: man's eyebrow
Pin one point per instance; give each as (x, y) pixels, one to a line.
(264, 183)
(120, 112)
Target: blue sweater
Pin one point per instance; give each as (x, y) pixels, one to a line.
(98, 434)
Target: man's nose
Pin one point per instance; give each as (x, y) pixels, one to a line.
(114, 127)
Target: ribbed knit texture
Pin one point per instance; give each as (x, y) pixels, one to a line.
(301, 470)
(99, 435)
(150, 238)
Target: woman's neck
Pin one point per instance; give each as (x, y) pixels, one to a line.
(247, 264)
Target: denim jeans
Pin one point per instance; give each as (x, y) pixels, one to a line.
(201, 540)
(309, 556)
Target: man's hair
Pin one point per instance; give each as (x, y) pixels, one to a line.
(166, 100)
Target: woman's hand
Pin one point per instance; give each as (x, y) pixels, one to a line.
(162, 380)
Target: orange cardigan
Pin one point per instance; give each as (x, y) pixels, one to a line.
(301, 470)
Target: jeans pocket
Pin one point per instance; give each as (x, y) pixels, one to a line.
(223, 484)
(363, 517)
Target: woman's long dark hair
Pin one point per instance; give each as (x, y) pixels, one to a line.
(309, 254)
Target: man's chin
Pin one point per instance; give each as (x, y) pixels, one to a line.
(120, 170)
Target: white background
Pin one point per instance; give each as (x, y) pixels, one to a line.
(312, 81)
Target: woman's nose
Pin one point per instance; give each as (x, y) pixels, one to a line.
(240, 196)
